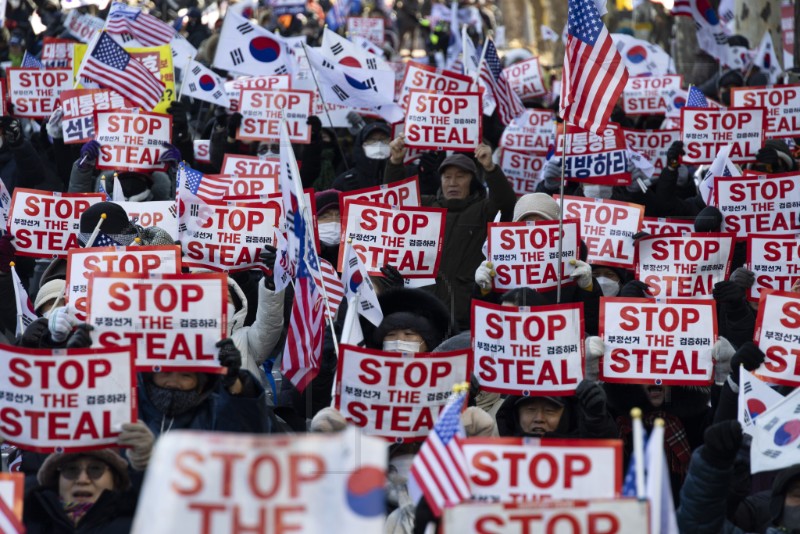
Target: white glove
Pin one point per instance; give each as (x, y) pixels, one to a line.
(484, 275)
(140, 440)
(582, 274)
(595, 347)
(722, 353)
(54, 124)
(61, 323)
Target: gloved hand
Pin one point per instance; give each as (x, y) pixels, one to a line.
(171, 156)
(768, 158)
(595, 347)
(391, 276)
(636, 175)
(234, 121)
(316, 127)
(635, 289)
(220, 117)
(727, 292)
(721, 443)
(32, 336)
(89, 154)
(582, 274)
(12, 131)
(743, 278)
(552, 174)
(7, 252)
(397, 150)
(484, 275)
(748, 356)
(268, 257)
(140, 440)
(722, 353)
(592, 398)
(674, 154)
(80, 338)
(230, 357)
(356, 123)
(179, 112)
(53, 125)
(61, 323)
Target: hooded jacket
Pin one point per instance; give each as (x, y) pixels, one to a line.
(365, 172)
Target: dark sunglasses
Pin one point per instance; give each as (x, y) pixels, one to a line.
(73, 471)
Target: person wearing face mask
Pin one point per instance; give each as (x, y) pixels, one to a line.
(329, 224)
(370, 153)
(322, 159)
(609, 279)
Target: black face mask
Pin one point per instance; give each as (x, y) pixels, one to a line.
(173, 402)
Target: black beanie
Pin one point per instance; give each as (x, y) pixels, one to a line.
(708, 220)
(115, 225)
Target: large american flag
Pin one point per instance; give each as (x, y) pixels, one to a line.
(144, 27)
(509, 106)
(594, 73)
(440, 467)
(111, 67)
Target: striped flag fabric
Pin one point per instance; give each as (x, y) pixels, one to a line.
(509, 106)
(30, 62)
(681, 8)
(146, 28)
(205, 186)
(25, 313)
(333, 285)
(111, 67)
(594, 73)
(195, 211)
(440, 467)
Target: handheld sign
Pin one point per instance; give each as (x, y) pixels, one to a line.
(595, 159)
(263, 111)
(427, 78)
(577, 517)
(217, 482)
(46, 224)
(34, 92)
(533, 132)
(525, 254)
(251, 166)
(704, 131)
(668, 341)
(685, 266)
(79, 105)
(608, 228)
(161, 213)
(528, 351)
(774, 260)
(777, 334)
(57, 53)
(370, 28)
(529, 469)
(65, 401)
(443, 121)
(522, 170)
(12, 487)
(202, 151)
(781, 103)
(132, 141)
(409, 239)
(173, 320)
(653, 145)
(525, 78)
(758, 204)
(402, 193)
(649, 95)
(660, 226)
(233, 88)
(135, 259)
(395, 395)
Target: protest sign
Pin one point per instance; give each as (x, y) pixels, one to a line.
(132, 140)
(12, 486)
(686, 265)
(532, 132)
(370, 28)
(649, 95)
(525, 78)
(526, 469)
(777, 334)
(427, 78)
(202, 151)
(262, 112)
(133, 259)
(668, 341)
(286, 7)
(33, 92)
(782, 105)
(251, 166)
(774, 260)
(5, 204)
(528, 351)
(409, 239)
(522, 170)
(595, 159)
(161, 213)
(233, 88)
(575, 517)
(234, 235)
(172, 320)
(525, 254)
(3, 96)
(705, 131)
(402, 193)
(65, 401)
(83, 26)
(311, 483)
(759, 204)
(443, 121)
(397, 395)
(608, 228)
(660, 226)
(652, 144)
(45, 223)
(79, 105)
(57, 53)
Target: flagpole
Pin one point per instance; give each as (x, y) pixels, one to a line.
(96, 231)
(349, 320)
(561, 210)
(657, 475)
(638, 451)
(482, 58)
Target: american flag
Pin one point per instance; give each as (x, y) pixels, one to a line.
(111, 67)
(509, 106)
(105, 240)
(594, 73)
(30, 62)
(696, 98)
(196, 211)
(205, 186)
(333, 285)
(440, 467)
(144, 27)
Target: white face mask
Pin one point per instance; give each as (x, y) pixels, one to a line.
(330, 232)
(377, 150)
(609, 287)
(399, 345)
(597, 191)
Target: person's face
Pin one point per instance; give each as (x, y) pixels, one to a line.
(455, 183)
(376, 137)
(539, 416)
(656, 395)
(332, 215)
(605, 271)
(406, 335)
(179, 381)
(83, 480)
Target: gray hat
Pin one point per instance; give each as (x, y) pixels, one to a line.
(461, 161)
(48, 473)
(540, 204)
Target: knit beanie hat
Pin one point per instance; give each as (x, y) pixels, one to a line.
(327, 200)
(536, 204)
(116, 224)
(48, 292)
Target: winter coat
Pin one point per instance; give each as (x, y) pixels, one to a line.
(574, 422)
(365, 172)
(22, 166)
(112, 513)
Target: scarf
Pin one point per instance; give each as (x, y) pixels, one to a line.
(676, 443)
(173, 402)
(76, 510)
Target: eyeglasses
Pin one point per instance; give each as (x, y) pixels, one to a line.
(73, 471)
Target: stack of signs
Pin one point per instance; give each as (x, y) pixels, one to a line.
(705, 131)
(595, 159)
(525, 143)
(427, 78)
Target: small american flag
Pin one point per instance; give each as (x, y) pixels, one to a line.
(30, 62)
(111, 67)
(205, 186)
(105, 240)
(440, 467)
(696, 98)
(144, 27)
(509, 106)
(333, 285)
(594, 72)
